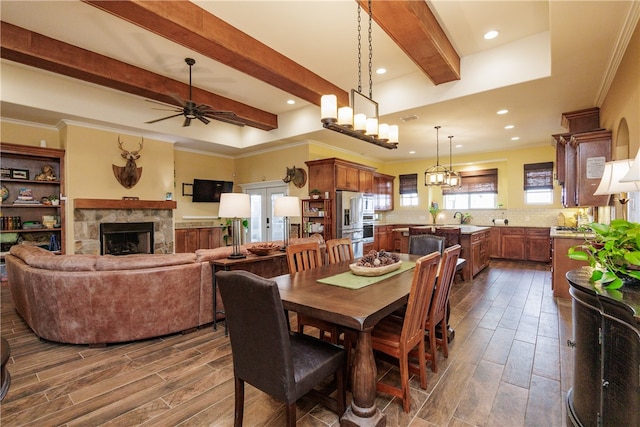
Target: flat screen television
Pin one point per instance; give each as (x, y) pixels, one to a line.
(205, 190)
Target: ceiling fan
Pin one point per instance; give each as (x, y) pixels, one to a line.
(190, 110)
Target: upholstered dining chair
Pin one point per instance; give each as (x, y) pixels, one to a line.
(438, 312)
(452, 235)
(423, 244)
(339, 250)
(284, 364)
(397, 336)
(304, 256)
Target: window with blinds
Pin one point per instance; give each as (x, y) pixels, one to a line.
(538, 183)
(479, 190)
(408, 189)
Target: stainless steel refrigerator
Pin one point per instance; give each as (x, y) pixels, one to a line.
(349, 215)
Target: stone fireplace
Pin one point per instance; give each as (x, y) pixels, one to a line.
(126, 238)
(90, 216)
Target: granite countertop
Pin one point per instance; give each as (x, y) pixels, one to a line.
(464, 229)
(563, 234)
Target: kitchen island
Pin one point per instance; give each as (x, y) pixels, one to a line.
(473, 239)
(562, 238)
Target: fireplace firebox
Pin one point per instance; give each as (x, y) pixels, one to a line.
(125, 238)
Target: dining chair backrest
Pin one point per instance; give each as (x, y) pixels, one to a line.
(424, 244)
(422, 288)
(265, 354)
(303, 256)
(443, 285)
(451, 234)
(339, 250)
(416, 231)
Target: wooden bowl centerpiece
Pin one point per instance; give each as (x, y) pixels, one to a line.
(262, 249)
(376, 263)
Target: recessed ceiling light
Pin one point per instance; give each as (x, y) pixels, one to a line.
(491, 34)
(509, 126)
(290, 101)
(409, 118)
(412, 152)
(502, 111)
(458, 145)
(381, 70)
(515, 138)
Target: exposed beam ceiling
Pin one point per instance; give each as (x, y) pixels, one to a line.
(27, 47)
(415, 29)
(191, 26)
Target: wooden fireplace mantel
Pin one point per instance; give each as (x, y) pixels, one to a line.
(123, 204)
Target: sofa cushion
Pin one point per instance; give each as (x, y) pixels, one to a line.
(28, 253)
(140, 261)
(65, 262)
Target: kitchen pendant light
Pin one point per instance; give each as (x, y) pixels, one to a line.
(359, 120)
(453, 178)
(436, 175)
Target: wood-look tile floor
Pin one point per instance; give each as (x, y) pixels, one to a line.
(508, 366)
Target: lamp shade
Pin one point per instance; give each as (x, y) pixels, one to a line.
(610, 183)
(634, 171)
(234, 205)
(287, 206)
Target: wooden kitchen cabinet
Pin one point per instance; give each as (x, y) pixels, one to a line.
(583, 156)
(521, 243)
(538, 245)
(383, 237)
(512, 241)
(495, 245)
(365, 181)
(191, 239)
(561, 264)
(347, 178)
(475, 246)
(383, 192)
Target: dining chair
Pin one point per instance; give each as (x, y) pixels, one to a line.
(416, 231)
(339, 250)
(304, 256)
(286, 365)
(424, 244)
(396, 336)
(438, 313)
(452, 235)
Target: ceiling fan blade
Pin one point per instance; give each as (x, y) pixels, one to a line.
(187, 122)
(203, 119)
(216, 114)
(179, 100)
(175, 109)
(164, 118)
(163, 103)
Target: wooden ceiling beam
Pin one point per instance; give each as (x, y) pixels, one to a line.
(415, 29)
(185, 23)
(36, 50)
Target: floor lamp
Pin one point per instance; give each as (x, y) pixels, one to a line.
(286, 206)
(236, 206)
(611, 184)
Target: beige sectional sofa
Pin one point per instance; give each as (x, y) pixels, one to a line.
(94, 299)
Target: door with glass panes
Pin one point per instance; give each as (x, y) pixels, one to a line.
(263, 225)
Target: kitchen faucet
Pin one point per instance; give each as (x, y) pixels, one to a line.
(461, 216)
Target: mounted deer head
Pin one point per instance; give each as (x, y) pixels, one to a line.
(129, 174)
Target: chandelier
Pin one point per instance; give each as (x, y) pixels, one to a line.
(453, 178)
(360, 119)
(436, 175)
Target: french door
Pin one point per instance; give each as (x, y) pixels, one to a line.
(263, 225)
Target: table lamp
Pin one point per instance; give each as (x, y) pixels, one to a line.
(286, 206)
(236, 206)
(634, 171)
(611, 184)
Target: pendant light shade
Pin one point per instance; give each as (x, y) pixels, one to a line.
(436, 175)
(453, 178)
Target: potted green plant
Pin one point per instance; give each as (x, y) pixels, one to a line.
(54, 199)
(315, 193)
(434, 210)
(613, 252)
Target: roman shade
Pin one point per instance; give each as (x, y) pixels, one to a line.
(480, 181)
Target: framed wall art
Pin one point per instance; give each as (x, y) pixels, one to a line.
(19, 173)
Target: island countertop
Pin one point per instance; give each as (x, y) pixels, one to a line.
(464, 229)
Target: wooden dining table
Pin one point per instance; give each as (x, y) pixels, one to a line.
(357, 309)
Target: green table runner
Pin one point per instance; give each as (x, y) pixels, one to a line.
(351, 281)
